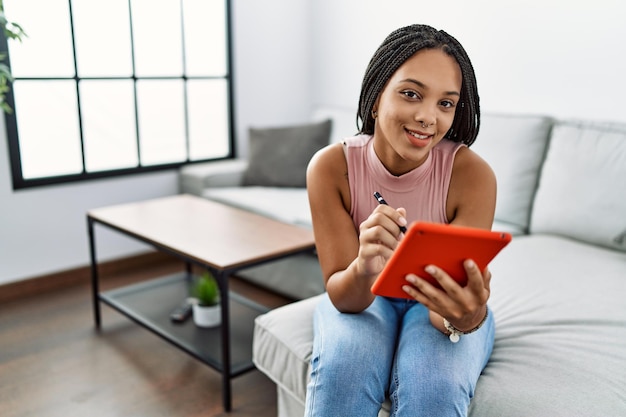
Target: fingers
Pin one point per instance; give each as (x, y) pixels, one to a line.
(487, 279)
(401, 221)
(476, 280)
(389, 218)
(379, 235)
(429, 295)
(424, 293)
(452, 300)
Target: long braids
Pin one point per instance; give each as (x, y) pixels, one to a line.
(399, 46)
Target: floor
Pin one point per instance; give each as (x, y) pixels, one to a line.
(54, 363)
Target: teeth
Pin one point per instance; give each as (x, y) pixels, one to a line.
(418, 136)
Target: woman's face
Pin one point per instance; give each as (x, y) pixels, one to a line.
(416, 109)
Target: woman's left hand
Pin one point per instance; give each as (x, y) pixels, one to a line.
(464, 307)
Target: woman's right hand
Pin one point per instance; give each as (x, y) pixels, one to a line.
(379, 236)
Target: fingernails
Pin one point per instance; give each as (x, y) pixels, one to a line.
(470, 264)
(430, 269)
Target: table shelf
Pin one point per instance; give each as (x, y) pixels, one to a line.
(150, 303)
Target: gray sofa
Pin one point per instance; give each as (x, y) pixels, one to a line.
(558, 290)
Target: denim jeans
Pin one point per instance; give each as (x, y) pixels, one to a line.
(391, 349)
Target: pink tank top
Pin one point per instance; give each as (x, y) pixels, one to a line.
(422, 192)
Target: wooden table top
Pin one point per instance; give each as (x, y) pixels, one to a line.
(211, 233)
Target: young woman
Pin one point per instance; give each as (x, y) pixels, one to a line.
(419, 112)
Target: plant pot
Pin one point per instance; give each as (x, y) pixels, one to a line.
(207, 316)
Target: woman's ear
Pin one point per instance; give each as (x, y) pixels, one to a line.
(375, 109)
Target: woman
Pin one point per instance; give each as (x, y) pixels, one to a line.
(419, 111)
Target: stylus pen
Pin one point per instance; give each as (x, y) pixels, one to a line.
(381, 200)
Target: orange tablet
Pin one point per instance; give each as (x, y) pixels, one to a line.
(443, 245)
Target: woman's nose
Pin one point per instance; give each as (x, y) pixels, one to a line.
(426, 117)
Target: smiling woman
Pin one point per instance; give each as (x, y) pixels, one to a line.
(420, 112)
(141, 98)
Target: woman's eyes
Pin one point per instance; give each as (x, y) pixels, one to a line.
(411, 94)
(448, 104)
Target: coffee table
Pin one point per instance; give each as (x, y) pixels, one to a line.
(215, 236)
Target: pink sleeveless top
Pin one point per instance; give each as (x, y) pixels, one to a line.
(422, 192)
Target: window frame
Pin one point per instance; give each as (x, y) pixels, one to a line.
(12, 134)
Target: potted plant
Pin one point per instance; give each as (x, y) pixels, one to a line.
(12, 31)
(206, 309)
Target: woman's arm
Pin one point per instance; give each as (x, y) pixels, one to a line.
(350, 261)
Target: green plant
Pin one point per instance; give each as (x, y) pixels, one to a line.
(15, 32)
(206, 290)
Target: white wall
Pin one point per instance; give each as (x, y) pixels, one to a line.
(558, 57)
(562, 58)
(273, 74)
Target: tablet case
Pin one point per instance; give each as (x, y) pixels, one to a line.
(444, 245)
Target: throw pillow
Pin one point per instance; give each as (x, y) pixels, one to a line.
(514, 146)
(279, 156)
(582, 193)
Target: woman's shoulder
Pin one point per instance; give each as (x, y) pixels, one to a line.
(472, 191)
(328, 154)
(467, 159)
(334, 155)
(327, 176)
(470, 172)
(327, 161)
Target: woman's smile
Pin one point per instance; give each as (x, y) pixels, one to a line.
(419, 139)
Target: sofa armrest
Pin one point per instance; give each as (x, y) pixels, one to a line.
(194, 178)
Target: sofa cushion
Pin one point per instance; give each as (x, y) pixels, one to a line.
(514, 147)
(289, 205)
(283, 343)
(582, 192)
(278, 157)
(560, 347)
(513, 229)
(195, 178)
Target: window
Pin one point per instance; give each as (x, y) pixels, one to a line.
(105, 88)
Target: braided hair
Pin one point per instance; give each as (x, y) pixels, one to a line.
(399, 46)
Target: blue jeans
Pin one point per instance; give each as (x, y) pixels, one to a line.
(391, 349)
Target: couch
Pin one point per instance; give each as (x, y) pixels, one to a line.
(558, 290)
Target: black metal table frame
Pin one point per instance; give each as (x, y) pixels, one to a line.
(221, 276)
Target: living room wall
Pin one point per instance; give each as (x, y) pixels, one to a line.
(557, 57)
